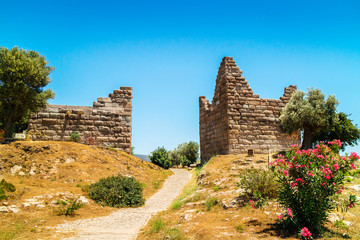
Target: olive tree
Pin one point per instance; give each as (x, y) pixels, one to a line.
(23, 76)
(309, 112)
(341, 128)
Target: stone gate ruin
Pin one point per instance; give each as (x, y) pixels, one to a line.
(237, 120)
(106, 123)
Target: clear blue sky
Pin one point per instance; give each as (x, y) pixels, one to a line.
(170, 51)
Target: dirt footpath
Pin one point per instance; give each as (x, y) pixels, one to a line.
(125, 224)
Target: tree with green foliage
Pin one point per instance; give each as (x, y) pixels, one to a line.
(23, 75)
(160, 157)
(190, 151)
(309, 112)
(342, 129)
(185, 153)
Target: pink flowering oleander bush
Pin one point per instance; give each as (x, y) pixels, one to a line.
(309, 182)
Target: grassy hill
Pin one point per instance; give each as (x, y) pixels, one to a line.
(49, 174)
(212, 207)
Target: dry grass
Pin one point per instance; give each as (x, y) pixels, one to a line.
(63, 167)
(218, 180)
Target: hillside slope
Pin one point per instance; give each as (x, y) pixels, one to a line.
(46, 173)
(212, 207)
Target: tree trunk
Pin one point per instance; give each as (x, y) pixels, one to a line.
(9, 128)
(307, 140)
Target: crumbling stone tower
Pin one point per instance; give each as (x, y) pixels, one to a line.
(106, 123)
(237, 120)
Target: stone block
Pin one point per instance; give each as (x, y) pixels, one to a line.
(49, 121)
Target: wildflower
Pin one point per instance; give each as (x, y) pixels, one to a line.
(252, 203)
(299, 180)
(305, 232)
(286, 173)
(336, 166)
(310, 174)
(353, 166)
(354, 156)
(293, 184)
(289, 213)
(320, 156)
(281, 216)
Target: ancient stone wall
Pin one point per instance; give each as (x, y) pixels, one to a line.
(107, 123)
(238, 120)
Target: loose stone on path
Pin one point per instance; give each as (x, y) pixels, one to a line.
(125, 223)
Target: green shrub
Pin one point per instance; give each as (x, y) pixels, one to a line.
(75, 137)
(178, 203)
(185, 153)
(184, 161)
(6, 187)
(216, 188)
(259, 185)
(340, 224)
(310, 180)
(174, 234)
(355, 173)
(240, 228)
(117, 191)
(156, 225)
(160, 157)
(70, 209)
(190, 151)
(211, 202)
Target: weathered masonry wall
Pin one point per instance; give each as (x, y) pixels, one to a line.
(107, 123)
(238, 120)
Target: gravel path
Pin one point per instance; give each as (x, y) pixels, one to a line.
(125, 223)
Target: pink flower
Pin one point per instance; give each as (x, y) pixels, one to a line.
(289, 213)
(353, 166)
(320, 156)
(310, 174)
(334, 183)
(327, 177)
(293, 184)
(354, 156)
(281, 216)
(305, 232)
(252, 203)
(299, 180)
(286, 173)
(336, 166)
